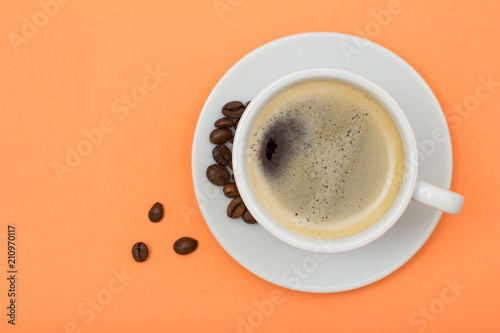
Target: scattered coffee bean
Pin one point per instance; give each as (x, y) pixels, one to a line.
(233, 109)
(236, 208)
(247, 104)
(224, 122)
(218, 175)
(248, 218)
(236, 123)
(231, 165)
(222, 155)
(185, 245)
(156, 212)
(231, 191)
(140, 252)
(220, 135)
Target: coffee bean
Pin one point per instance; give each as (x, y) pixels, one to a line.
(231, 191)
(224, 122)
(222, 154)
(248, 218)
(156, 212)
(185, 245)
(217, 175)
(236, 208)
(140, 252)
(247, 104)
(220, 135)
(233, 109)
(236, 123)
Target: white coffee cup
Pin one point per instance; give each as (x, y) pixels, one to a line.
(411, 187)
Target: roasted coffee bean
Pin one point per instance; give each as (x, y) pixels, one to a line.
(236, 123)
(248, 218)
(218, 175)
(233, 109)
(140, 252)
(222, 154)
(156, 212)
(185, 245)
(231, 165)
(220, 135)
(236, 208)
(231, 191)
(224, 122)
(247, 104)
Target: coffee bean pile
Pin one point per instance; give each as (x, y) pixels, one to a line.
(183, 246)
(218, 174)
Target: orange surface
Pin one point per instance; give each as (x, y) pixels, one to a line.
(66, 75)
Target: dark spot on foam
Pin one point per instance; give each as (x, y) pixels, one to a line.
(271, 148)
(281, 141)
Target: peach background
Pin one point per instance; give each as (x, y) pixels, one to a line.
(72, 235)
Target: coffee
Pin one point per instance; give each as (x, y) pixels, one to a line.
(185, 245)
(326, 160)
(156, 212)
(140, 252)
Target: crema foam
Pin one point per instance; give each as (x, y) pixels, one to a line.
(326, 159)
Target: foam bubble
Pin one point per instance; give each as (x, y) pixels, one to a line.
(326, 159)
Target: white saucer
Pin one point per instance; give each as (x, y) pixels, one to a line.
(252, 246)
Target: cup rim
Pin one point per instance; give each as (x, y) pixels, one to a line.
(260, 213)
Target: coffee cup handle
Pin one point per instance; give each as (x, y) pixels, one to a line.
(437, 197)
